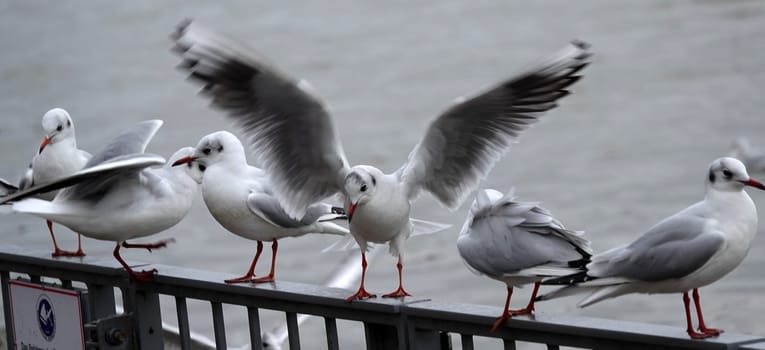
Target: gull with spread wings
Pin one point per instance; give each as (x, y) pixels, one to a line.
(294, 139)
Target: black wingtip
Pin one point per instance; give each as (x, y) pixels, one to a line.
(338, 210)
(581, 44)
(575, 278)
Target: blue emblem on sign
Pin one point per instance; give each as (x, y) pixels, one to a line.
(46, 318)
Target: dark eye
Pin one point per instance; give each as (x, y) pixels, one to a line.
(206, 151)
(374, 182)
(202, 167)
(220, 149)
(59, 128)
(727, 173)
(68, 123)
(363, 188)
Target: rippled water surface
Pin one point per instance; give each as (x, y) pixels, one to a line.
(672, 83)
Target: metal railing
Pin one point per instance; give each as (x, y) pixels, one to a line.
(388, 324)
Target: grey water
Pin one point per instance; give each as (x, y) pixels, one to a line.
(671, 85)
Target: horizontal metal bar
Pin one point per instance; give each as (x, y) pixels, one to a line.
(467, 320)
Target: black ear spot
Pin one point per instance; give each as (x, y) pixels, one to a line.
(220, 148)
(711, 176)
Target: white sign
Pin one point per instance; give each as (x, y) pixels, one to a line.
(45, 318)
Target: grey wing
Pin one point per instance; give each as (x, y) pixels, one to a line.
(132, 141)
(7, 188)
(673, 248)
(27, 179)
(268, 207)
(464, 143)
(288, 127)
(523, 235)
(93, 180)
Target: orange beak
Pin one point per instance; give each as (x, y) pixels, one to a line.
(184, 160)
(754, 183)
(351, 209)
(45, 142)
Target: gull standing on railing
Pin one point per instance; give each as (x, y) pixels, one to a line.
(240, 198)
(58, 156)
(518, 243)
(293, 137)
(684, 252)
(117, 196)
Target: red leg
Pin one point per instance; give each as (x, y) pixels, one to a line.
(56, 250)
(505, 314)
(400, 292)
(251, 272)
(143, 276)
(361, 294)
(530, 307)
(270, 277)
(691, 332)
(79, 251)
(149, 246)
(702, 326)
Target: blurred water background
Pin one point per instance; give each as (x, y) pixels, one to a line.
(672, 83)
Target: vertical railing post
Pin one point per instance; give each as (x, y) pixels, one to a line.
(148, 317)
(100, 302)
(5, 276)
(384, 337)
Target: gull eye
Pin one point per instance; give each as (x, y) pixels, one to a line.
(363, 188)
(59, 128)
(727, 173)
(206, 151)
(202, 167)
(68, 123)
(220, 148)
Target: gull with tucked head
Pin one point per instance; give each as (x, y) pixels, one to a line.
(293, 136)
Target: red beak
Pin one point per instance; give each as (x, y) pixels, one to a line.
(351, 209)
(754, 183)
(184, 160)
(45, 142)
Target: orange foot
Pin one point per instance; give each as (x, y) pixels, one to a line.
(361, 294)
(243, 279)
(500, 321)
(264, 279)
(60, 252)
(143, 276)
(398, 293)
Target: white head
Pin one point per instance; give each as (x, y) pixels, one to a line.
(220, 146)
(360, 185)
(194, 169)
(57, 125)
(729, 174)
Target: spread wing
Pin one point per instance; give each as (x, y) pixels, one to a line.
(288, 127)
(462, 145)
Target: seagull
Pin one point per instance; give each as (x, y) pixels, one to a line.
(743, 151)
(240, 198)
(684, 252)
(58, 156)
(518, 243)
(117, 196)
(291, 132)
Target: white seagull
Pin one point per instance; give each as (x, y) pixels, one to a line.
(518, 243)
(58, 156)
(117, 196)
(240, 198)
(293, 137)
(684, 252)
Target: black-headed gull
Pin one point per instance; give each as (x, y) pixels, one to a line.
(684, 252)
(293, 137)
(57, 156)
(518, 243)
(753, 159)
(117, 196)
(240, 198)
